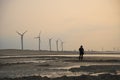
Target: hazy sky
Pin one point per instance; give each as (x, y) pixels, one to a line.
(93, 23)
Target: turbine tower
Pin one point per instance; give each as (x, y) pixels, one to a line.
(62, 44)
(50, 39)
(57, 45)
(21, 34)
(39, 40)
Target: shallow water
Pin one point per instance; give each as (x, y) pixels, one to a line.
(45, 65)
(86, 55)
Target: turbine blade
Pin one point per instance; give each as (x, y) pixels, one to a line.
(24, 32)
(18, 33)
(36, 37)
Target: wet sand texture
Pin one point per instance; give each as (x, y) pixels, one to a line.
(83, 77)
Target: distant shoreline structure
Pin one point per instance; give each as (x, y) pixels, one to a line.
(86, 52)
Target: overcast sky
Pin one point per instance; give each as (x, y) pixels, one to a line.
(93, 23)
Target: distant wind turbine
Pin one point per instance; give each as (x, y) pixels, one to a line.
(50, 39)
(57, 45)
(39, 39)
(21, 34)
(62, 44)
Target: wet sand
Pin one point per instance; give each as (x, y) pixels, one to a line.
(46, 67)
(82, 77)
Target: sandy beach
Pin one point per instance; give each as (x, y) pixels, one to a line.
(45, 65)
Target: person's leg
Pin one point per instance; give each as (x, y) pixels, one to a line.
(79, 57)
(82, 57)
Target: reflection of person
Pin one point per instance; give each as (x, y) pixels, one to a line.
(81, 52)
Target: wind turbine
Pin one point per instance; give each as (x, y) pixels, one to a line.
(50, 39)
(39, 39)
(62, 44)
(21, 34)
(57, 45)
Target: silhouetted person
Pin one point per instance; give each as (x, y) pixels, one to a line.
(81, 52)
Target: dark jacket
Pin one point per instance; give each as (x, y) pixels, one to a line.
(81, 50)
